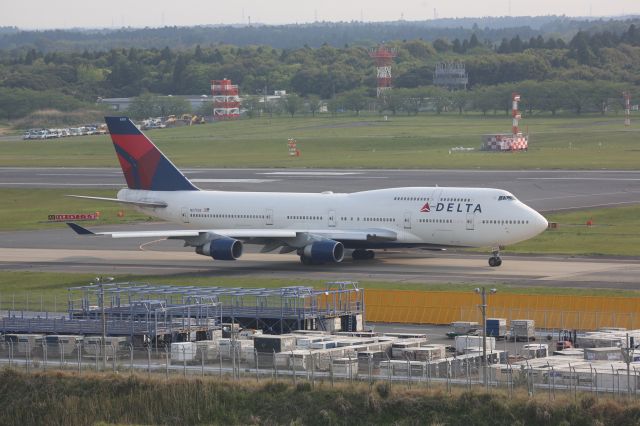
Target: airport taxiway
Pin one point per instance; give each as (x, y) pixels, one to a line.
(61, 250)
(544, 190)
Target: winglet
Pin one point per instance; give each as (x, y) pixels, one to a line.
(79, 229)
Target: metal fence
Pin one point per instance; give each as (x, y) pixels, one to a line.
(297, 367)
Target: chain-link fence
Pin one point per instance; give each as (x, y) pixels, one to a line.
(235, 361)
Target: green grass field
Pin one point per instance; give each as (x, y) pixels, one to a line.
(615, 232)
(25, 209)
(591, 142)
(48, 291)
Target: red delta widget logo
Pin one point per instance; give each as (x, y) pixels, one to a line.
(453, 207)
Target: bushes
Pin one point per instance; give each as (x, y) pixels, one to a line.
(69, 399)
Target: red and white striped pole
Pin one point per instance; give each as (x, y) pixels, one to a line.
(515, 113)
(627, 108)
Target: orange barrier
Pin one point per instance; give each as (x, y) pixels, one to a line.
(549, 311)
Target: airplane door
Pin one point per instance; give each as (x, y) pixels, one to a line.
(184, 212)
(407, 220)
(471, 221)
(332, 219)
(268, 214)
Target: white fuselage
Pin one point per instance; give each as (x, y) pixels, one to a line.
(469, 217)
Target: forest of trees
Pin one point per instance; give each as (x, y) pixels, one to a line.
(590, 70)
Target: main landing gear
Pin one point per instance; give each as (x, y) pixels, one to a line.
(495, 259)
(361, 254)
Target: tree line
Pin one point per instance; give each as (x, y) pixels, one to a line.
(68, 80)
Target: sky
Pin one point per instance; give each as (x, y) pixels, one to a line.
(46, 14)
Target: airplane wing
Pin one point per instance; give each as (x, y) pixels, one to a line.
(131, 203)
(195, 236)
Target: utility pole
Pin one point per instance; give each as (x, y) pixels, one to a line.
(100, 282)
(483, 307)
(627, 355)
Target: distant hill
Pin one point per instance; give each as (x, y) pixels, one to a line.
(489, 29)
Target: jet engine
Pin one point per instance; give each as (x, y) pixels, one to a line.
(325, 251)
(221, 249)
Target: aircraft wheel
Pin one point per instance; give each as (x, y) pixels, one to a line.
(306, 260)
(370, 254)
(495, 261)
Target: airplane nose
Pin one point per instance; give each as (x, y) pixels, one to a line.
(540, 222)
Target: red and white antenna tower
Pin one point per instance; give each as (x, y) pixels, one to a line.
(226, 99)
(627, 108)
(515, 97)
(384, 59)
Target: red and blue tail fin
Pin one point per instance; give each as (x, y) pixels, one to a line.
(143, 165)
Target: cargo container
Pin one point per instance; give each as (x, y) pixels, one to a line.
(398, 347)
(465, 327)
(405, 335)
(305, 341)
(496, 327)
(333, 324)
(326, 344)
(24, 343)
(425, 353)
(183, 352)
(351, 323)
(207, 349)
(603, 354)
(465, 343)
(535, 350)
(345, 367)
(523, 329)
(274, 343)
(65, 344)
(92, 345)
(600, 340)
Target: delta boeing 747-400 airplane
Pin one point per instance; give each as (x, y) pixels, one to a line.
(321, 227)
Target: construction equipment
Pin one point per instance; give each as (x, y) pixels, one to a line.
(566, 340)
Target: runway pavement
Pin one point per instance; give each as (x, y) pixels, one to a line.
(61, 250)
(544, 190)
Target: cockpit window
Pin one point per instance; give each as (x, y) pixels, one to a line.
(506, 197)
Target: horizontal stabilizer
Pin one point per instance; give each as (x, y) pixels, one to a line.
(159, 204)
(79, 229)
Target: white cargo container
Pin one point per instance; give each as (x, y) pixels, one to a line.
(604, 354)
(425, 353)
(333, 324)
(92, 345)
(326, 344)
(299, 360)
(523, 329)
(183, 351)
(207, 349)
(399, 346)
(345, 367)
(464, 327)
(67, 344)
(304, 342)
(25, 343)
(473, 343)
(600, 340)
(535, 350)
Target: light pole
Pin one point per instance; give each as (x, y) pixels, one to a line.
(100, 282)
(483, 307)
